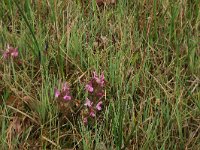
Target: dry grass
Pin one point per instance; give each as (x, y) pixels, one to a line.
(148, 50)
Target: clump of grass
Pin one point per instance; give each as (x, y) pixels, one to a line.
(149, 53)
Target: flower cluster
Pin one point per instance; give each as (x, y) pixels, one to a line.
(10, 52)
(64, 93)
(94, 99)
(95, 89)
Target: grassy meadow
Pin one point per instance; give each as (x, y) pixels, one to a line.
(146, 55)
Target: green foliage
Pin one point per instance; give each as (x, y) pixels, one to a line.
(149, 53)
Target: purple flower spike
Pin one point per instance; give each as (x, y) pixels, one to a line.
(57, 93)
(67, 97)
(95, 91)
(98, 106)
(88, 103)
(89, 88)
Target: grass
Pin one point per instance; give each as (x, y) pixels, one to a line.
(149, 52)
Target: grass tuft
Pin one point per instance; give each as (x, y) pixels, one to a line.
(148, 51)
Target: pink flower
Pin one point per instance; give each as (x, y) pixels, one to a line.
(85, 120)
(89, 88)
(65, 87)
(5, 55)
(92, 113)
(64, 94)
(57, 93)
(14, 53)
(100, 94)
(100, 80)
(95, 89)
(67, 97)
(10, 52)
(88, 103)
(95, 76)
(98, 106)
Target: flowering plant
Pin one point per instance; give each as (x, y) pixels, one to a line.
(10, 52)
(95, 89)
(64, 93)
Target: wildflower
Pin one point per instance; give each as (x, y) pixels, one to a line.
(92, 113)
(88, 103)
(100, 94)
(14, 53)
(64, 93)
(95, 89)
(85, 120)
(57, 93)
(89, 88)
(98, 106)
(10, 52)
(67, 97)
(65, 87)
(99, 80)
(5, 55)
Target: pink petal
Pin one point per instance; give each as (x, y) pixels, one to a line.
(92, 113)
(57, 93)
(14, 53)
(85, 120)
(89, 88)
(100, 94)
(100, 80)
(97, 79)
(102, 76)
(88, 103)
(5, 55)
(67, 97)
(98, 106)
(95, 74)
(65, 87)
